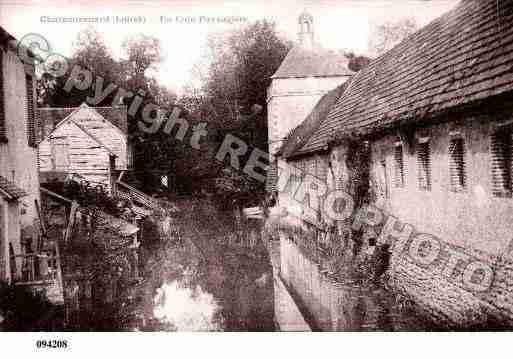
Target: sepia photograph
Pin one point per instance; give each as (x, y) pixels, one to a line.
(249, 166)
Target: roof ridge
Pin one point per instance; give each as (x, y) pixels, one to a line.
(453, 61)
(312, 122)
(313, 62)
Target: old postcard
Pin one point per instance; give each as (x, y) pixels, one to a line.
(250, 166)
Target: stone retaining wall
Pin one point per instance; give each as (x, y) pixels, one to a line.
(448, 299)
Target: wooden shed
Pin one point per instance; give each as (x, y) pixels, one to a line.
(85, 143)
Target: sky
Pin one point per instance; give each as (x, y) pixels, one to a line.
(183, 26)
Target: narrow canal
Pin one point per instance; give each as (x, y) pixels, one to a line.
(214, 273)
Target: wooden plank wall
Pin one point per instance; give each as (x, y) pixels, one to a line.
(86, 157)
(107, 133)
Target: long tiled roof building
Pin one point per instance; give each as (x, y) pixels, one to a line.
(462, 57)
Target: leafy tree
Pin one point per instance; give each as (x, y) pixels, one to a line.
(233, 97)
(385, 36)
(357, 62)
(89, 52)
(142, 54)
(133, 73)
(235, 79)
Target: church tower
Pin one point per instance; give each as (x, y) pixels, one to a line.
(306, 32)
(305, 75)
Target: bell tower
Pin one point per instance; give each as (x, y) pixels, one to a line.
(304, 76)
(306, 32)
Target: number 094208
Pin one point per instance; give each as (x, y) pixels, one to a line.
(52, 344)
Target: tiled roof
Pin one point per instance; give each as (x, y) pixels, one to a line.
(49, 117)
(314, 62)
(9, 190)
(5, 36)
(300, 135)
(462, 57)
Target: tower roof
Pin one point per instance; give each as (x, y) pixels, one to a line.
(437, 70)
(313, 62)
(308, 59)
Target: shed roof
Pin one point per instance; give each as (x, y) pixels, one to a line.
(117, 224)
(313, 62)
(464, 56)
(49, 117)
(10, 190)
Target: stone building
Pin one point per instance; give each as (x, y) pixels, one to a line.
(19, 179)
(307, 73)
(434, 115)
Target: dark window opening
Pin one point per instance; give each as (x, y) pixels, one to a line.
(457, 164)
(399, 166)
(501, 148)
(3, 126)
(31, 122)
(424, 166)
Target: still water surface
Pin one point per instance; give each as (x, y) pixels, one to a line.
(214, 273)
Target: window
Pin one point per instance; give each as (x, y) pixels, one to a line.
(321, 169)
(424, 165)
(399, 166)
(130, 152)
(112, 162)
(501, 148)
(295, 178)
(457, 164)
(384, 178)
(31, 123)
(60, 156)
(3, 129)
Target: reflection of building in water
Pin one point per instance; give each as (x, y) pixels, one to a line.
(306, 299)
(424, 132)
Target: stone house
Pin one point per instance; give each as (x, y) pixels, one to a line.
(307, 73)
(90, 142)
(292, 152)
(435, 117)
(19, 179)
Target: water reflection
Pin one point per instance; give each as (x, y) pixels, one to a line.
(186, 308)
(330, 305)
(215, 276)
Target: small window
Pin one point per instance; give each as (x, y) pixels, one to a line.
(130, 152)
(60, 155)
(295, 178)
(399, 166)
(384, 179)
(424, 166)
(457, 164)
(31, 122)
(501, 149)
(112, 162)
(321, 169)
